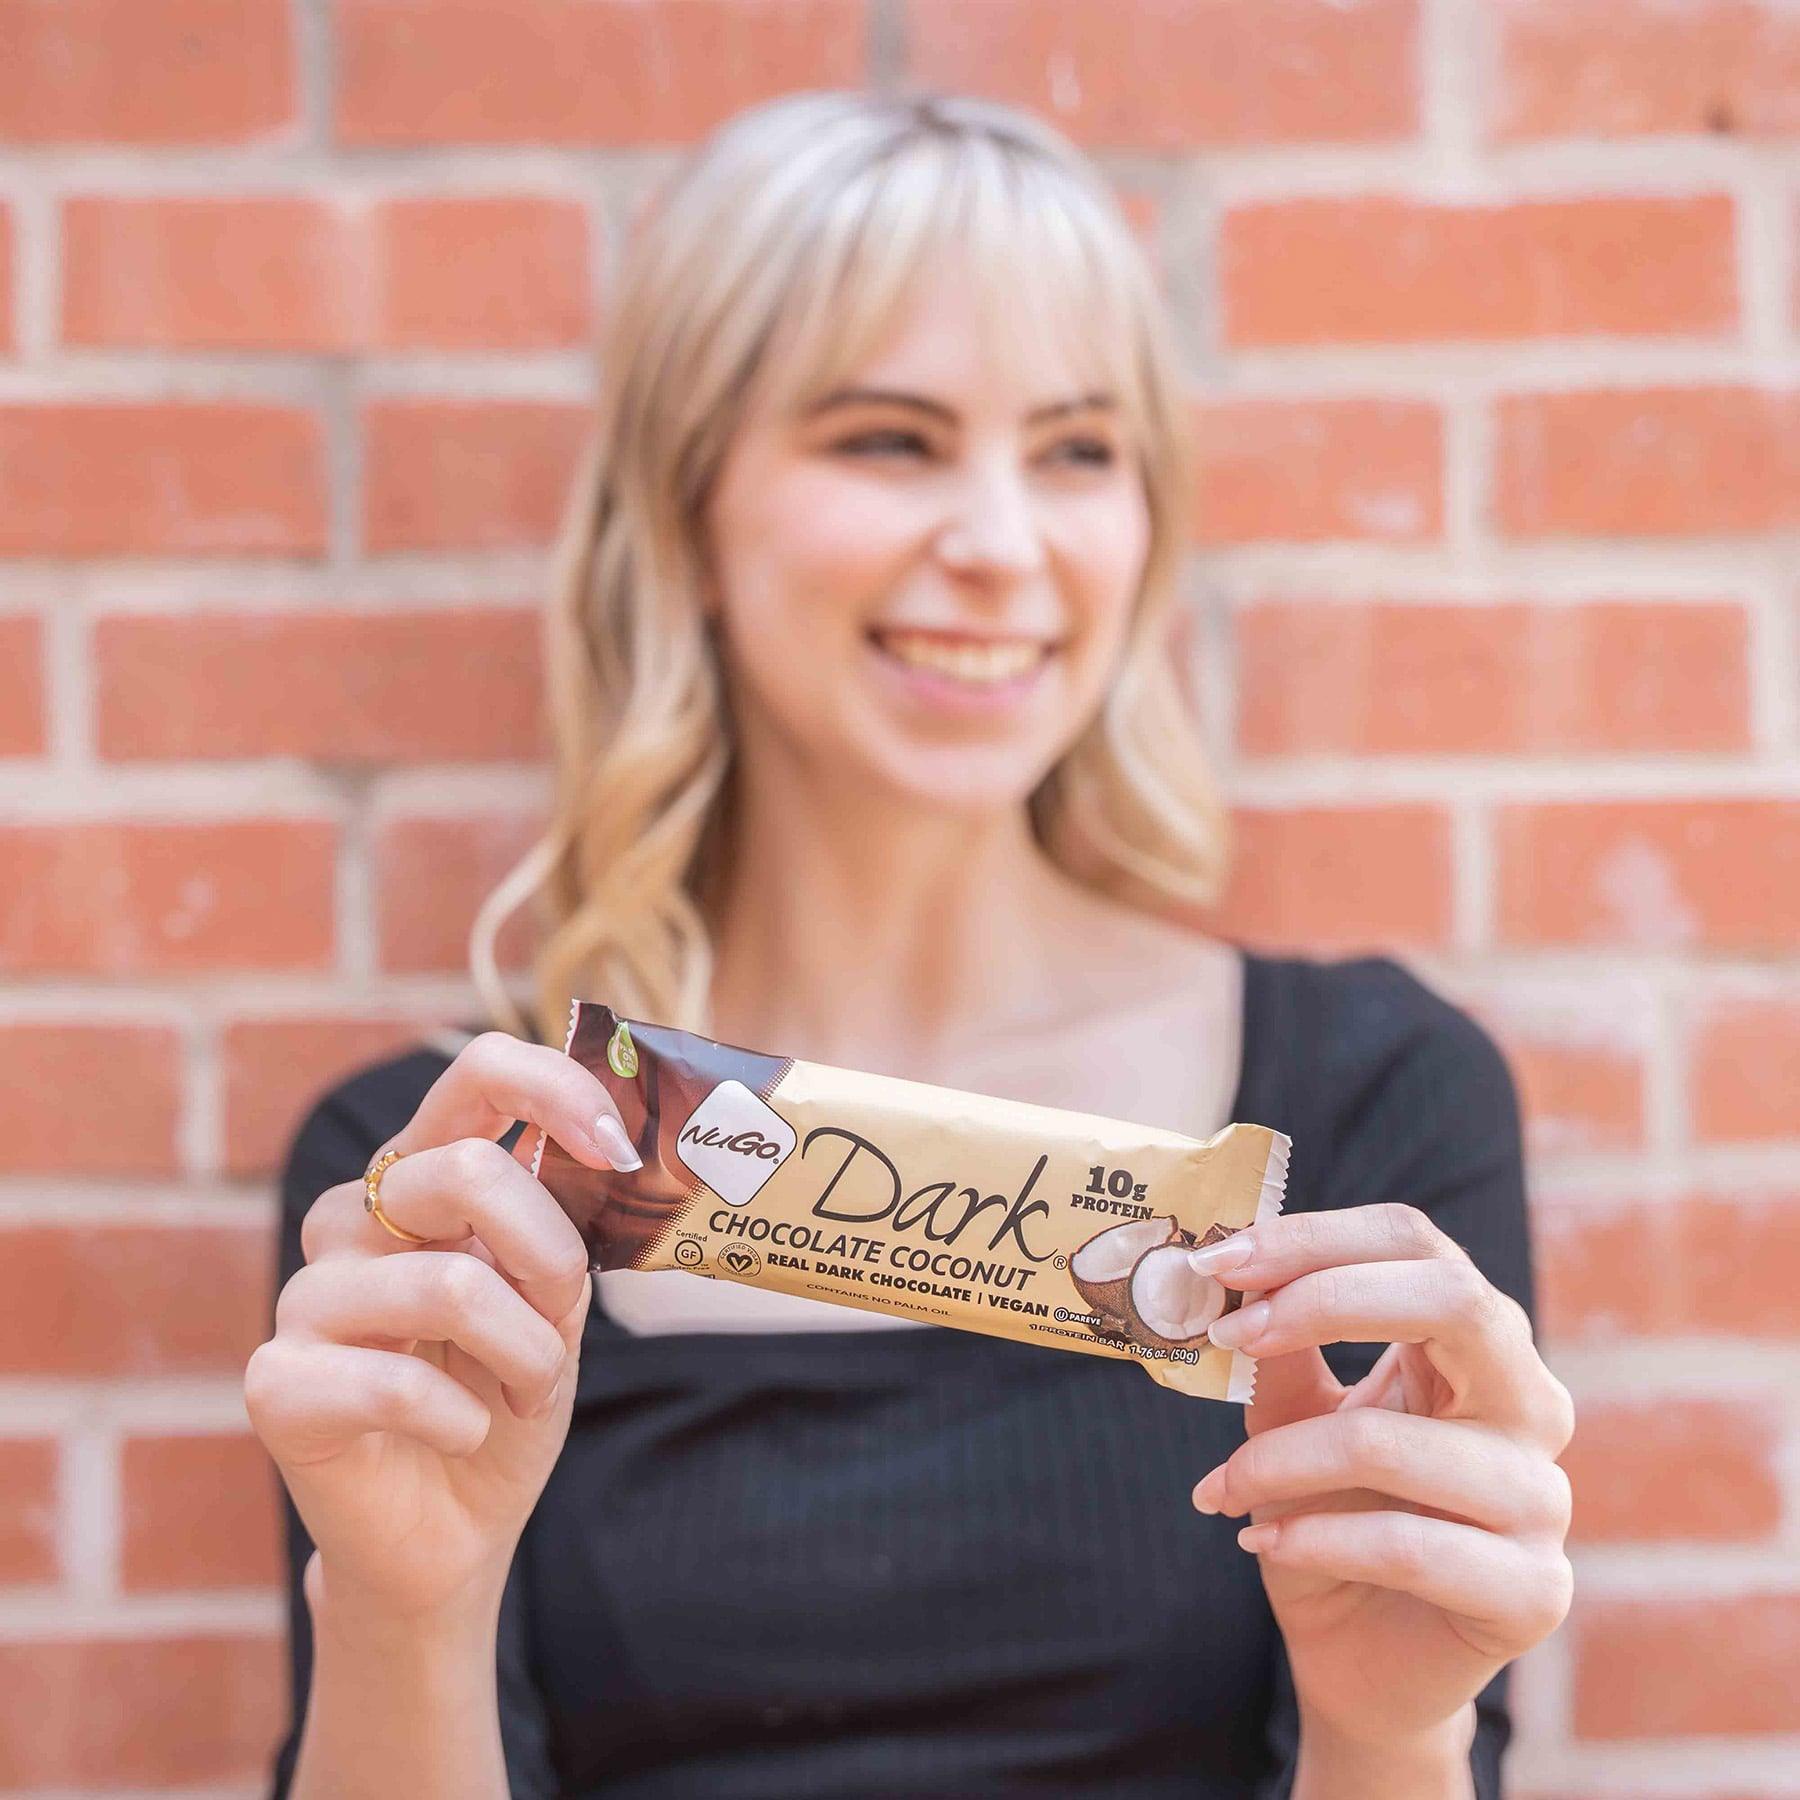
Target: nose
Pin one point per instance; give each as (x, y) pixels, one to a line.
(994, 528)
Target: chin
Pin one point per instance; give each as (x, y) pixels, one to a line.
(965, 779)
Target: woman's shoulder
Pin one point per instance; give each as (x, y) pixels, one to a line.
(1380, 1002)
(1377, 1010)
(1395, 1069)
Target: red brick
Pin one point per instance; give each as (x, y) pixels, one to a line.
(51, 1121)
(1576, 1097)
(1339, 878)
(1612, 68)
(1703, 1265)
(1498, 679)
(1303, 470)
(473, 475)
(431, 876)
(608, 72)
(119, 898)
(1652, 873)
(21, 686)
(135, 1712)
(132, 1300)
(1745, 1080)
(200, 272)
(28, 1505)
(1656, 462)
(6, 279)
(1173, 74)
(146, 71)
(199, 1511)
(1710, 1665)
(308, 274)
(338, 687)
(276, 1068)
(519, 265)
(163, 478)
(1387, 270)
(1651, 1470)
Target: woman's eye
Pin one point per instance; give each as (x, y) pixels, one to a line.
(1094, 451)
(880, 440)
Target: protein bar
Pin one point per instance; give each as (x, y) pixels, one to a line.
(1030, 1222)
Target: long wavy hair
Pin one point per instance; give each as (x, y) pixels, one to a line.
(768, 267)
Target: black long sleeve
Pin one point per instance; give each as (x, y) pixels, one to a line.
(811, 1565)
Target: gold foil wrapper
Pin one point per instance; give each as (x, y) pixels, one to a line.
(930, 1203)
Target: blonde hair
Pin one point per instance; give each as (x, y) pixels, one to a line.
(773, 263)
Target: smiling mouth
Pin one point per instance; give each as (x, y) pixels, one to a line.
(990, 663)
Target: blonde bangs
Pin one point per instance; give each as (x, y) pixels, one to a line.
(1048, 291)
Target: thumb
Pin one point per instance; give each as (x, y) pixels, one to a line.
(574, 1321)
(1296, 1385)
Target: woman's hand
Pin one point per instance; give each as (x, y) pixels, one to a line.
(416, 1397)
(1410, 1529)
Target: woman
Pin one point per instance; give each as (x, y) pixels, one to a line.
(869, 751)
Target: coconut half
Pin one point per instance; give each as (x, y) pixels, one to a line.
(1101, 1268)
(1169, 1306)
(1217, 1234)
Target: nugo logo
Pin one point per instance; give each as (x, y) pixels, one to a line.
(734, 1142)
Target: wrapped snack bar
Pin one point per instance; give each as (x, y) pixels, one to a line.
(1057, 1228)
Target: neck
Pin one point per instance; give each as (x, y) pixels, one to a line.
(868, 929)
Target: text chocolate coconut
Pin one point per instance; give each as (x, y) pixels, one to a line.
(1058, 1228)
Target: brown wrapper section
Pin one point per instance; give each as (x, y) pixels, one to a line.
(1058, 1228)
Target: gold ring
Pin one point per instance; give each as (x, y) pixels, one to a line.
(372, 1198)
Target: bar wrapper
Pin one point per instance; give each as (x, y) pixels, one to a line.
(1050, 1227)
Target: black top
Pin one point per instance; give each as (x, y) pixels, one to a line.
(880, 1565)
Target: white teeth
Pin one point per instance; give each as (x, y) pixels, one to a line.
(982, 663)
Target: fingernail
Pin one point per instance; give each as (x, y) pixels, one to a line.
(549, 1404)
(1259, 1537)
(1207, 1492)
(1239, 1328)
(616, 1144)
(1230, 1253)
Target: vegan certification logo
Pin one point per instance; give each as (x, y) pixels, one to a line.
(741, 1260)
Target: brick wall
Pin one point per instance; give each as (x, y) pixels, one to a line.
(1492, 312)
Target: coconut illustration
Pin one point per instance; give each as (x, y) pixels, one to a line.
(1138, 1281)
(1101, 1268)
(1167, 1305)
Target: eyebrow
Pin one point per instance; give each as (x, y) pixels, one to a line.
(923, 403)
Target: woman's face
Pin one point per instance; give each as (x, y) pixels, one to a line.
(928, 590)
